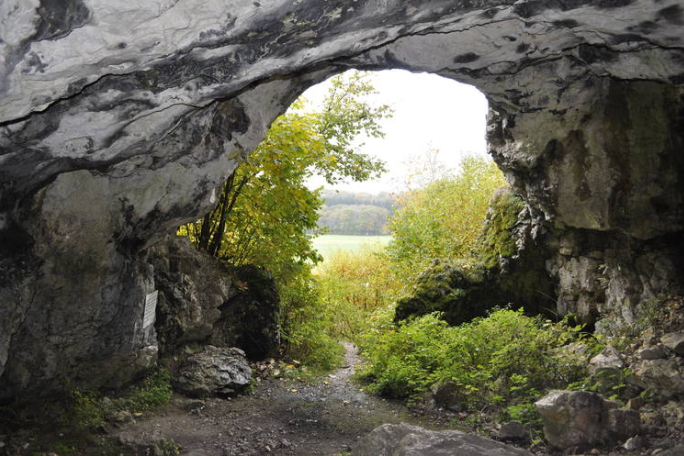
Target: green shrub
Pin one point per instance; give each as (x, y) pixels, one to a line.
(354, 284)
(505, 358)
(153, 392)
(444, 219)
(307, 326)
(83, 410)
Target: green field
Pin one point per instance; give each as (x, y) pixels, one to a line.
(330, 243)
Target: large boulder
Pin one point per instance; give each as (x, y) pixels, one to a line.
(663, 377)
(407, 440)
(192, 288)
(582, 419)
(214, 372)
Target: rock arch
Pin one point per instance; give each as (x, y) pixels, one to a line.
(118, 120)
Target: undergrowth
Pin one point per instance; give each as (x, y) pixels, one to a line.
(86, 409)
(307, 327)
(504, 361)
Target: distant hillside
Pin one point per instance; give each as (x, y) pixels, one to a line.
(333, 198)
(355, 213)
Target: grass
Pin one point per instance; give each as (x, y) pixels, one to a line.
(330, 243)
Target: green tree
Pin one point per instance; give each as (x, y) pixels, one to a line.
(443, 219)
(265, 208)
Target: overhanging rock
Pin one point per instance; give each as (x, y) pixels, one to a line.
(118, 119)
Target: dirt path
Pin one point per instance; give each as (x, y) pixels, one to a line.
(281, 417)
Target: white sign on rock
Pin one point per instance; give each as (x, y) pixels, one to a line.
(150, 308)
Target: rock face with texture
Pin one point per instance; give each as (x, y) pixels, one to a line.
(203, 301)
(250, 318)
(214, 372)
(665, 377)
(408, 440)
(119, 119)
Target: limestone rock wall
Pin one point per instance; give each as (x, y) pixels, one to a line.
(118, 119)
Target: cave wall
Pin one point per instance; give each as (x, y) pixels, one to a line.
(118, 120)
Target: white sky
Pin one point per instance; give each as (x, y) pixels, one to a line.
(429, 112)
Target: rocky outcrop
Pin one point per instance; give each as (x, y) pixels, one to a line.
(408, 440)
(201, 300)
(250, 319)
(118, 120)
(214, 372)
(193, 287)
(506, 268)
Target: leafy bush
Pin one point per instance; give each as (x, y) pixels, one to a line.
(504, 358)
(307, 326)
(83, 410)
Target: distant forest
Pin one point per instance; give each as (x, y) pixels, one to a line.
(360, 214)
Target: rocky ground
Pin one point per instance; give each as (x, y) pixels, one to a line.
(281, 417)
(287, 414)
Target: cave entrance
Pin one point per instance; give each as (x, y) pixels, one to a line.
(432, 125)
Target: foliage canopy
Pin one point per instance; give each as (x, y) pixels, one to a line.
(443, 219)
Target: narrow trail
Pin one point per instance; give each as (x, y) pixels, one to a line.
(281, 417)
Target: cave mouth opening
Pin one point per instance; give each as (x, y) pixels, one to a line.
(432, 117)
(428, 125)
(437, 124)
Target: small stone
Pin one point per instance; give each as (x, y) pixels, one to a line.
(624, 422)
(674, 341)
(636, 403)
(609, 360)
(651, 352)
(649, 337)
(652, 419)
(634, 443)
(573, 418)
(513, 431)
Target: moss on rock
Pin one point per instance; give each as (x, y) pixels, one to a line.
(497, 238)
(499, 273)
